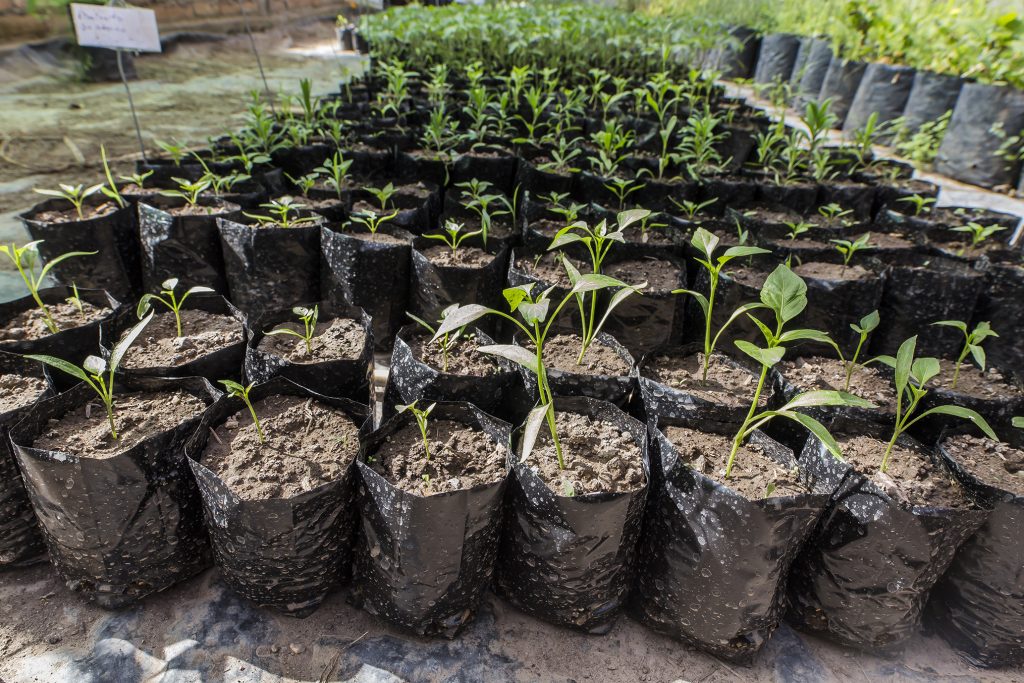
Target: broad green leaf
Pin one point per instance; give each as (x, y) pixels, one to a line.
(766, 357)
(169, 284)
(902, 364)
(827, 398)
(515, 295)
(535, 313)
(198, 289)
(924, 369)
(61, 365)
(962, 326)
(594, 281)
(459, 318)
(784, 292)
(960, 411)
(1018, 422)
(627, 218)
(979, 355)
(705, 242)
(802, 335)
(233, 387)
(516, 354)
(868, 323)
(122, 346)
(94, 365)
(739, 252)
(531, 429)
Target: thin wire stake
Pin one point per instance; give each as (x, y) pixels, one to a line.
(131, 105)
(259, 62)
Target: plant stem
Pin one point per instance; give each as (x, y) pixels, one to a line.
(544, 392)
(256, 421)
(707, 325)
(110, 417)
(750, 414)
(851, 367)
(956, 372)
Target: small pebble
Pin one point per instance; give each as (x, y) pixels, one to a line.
(297, 649)
(53, 639)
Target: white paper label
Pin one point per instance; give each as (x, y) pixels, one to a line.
(122, 28)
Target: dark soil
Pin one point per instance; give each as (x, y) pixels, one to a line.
(464, 257)
(832, 271)
(599, 457)
(202, 333)
(549, 269)
(815, 373)
(463, 357)
(992, 462)
(652, 236)
(754, 474)
(333, 339)
(307, 444)
(751, 277)
(85, 431)
(912, 478)
(71, 216)
(460, 458)
(17, 391)
(726, 384)
(660, 275)
(562, 350)
(973, 382)
(887, 240)
(31, 324)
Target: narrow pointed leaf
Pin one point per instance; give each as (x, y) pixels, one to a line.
(965, 413)
(516, 354)
(531, 429)
(122, 346)
(459, 318)
(827, 398)
(61, 365)
(818, 429)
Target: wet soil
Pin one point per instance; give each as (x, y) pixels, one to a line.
(202, 334)
(460, 458)
(661, 276)
(18, 391)
(31, 324)
(308, 444)
(599, 457)
(994, 463)
(754, 475)
(333, 340)
(832, 271)
(71, 215)
(85, 430)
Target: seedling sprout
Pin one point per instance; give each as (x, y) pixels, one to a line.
(242, 392)
(972, 343)
(308, 316)
(25, 259)
(169, 300)
(421, 417)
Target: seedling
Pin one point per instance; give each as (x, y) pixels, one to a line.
(690, 209)
(175, 150)
(383, 195)
(75, 194)
(448, 340)
(110, 189)
(171, 301)
(598, 240)
(284, 213)
(372, 221)
(590, 326)
(972, 343)
(785, 294)
(797, 228)
(1018, 422)
(188, 190)
(421, 417)
(75, 300)
(304, 183)
(136, 179)
(452, 237)
(848, 248)
(911, 376)
(239, 391)
(706, 242)
(622, 188)
(25, 259)
(93, 368)
(978, 233)
(832, 212)
(920, 204)
(308, 316)
(335, 172)
(866, 326)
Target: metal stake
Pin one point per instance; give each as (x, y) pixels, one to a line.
(131, 105)
(259, 62)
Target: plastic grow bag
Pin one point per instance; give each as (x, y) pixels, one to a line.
(270, 268)
(282, 553)
(410, 379)
(20, 540)
(652, 319)
(815, 67)
(491, 164)
(183, 247)
(118, 528)
(978, 607)
(931, 96)
(835, 304)
(424, 562)
(866, 573)
(776, 58)
(1000, 300)
(223, 363)
(343, 377)
(840, 85)
(737, 60)
(371, 274)
(433, 288)
(883, 90)
(969, 149)
(116, 267)
(713, 564)
(570, 560)
(615, 389)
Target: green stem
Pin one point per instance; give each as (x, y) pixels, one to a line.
(110, 417)
(546, 397)
(750, 414)
(256, 421)
(956, 372)
(851, 367)
(707, 324)
(33, 289)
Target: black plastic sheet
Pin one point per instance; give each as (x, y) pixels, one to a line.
(713, 564)
(969, 149)
(538, 182)
(116, 268)
(866, 573)
(409, 379)
(570, 560)
(776, 58)
(737, 60)
(433, 288)
(283, 553)
(342, 377)
(883, 90)
(931, 96)
(183, 247)
(21, 543)
(270, 268)
(978, 607)
(840, 85)
(424, 562)
(834, 305)
(123, 527)
(651, 319)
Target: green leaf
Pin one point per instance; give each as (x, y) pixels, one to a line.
(802, 335)
(169, 284)
(233, 387)
(924, 369)
(594, 281)
(784, 292)
(516, 354)
(61, 365)
(459, 318)
(818, 429)
(903, 362)
(868, 323)
(701, 299)
(535, 313)
(122, 346)
(53, 262)
(827, 398)
(94, 365)
(704, 241)
(421, 322)
(1018, 422)
(739, 252)
(962, 326)
(564, 237)
(515, 295)
(627, 218)
(979, 355)
(960, 411)
(766, 357)
(531, 429)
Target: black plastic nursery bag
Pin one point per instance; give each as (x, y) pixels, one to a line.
(969, 150)
(433, 288)
(883, 91)
(777, 57)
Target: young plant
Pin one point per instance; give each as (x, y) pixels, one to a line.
(848, 248)
(93, 368)
(74, 194)
(25, 259)
(171, 301)
(972, 343)
(284, 213)
(785, 294)
(383, 195)
(242, 392)
(706, 242)
(978, 233)
(372, 221)
(188, 190)
(690, 209)
(911, 376)
(590, 327)
(175, 150)
(797, 228)
(866, 326)
(304, 183)
(136, 179)
(453, 236)
(421, 417)
(335, 172)
(110, 189)
(446, 342)
(920, 204)
(75, 300)
(308, 316)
